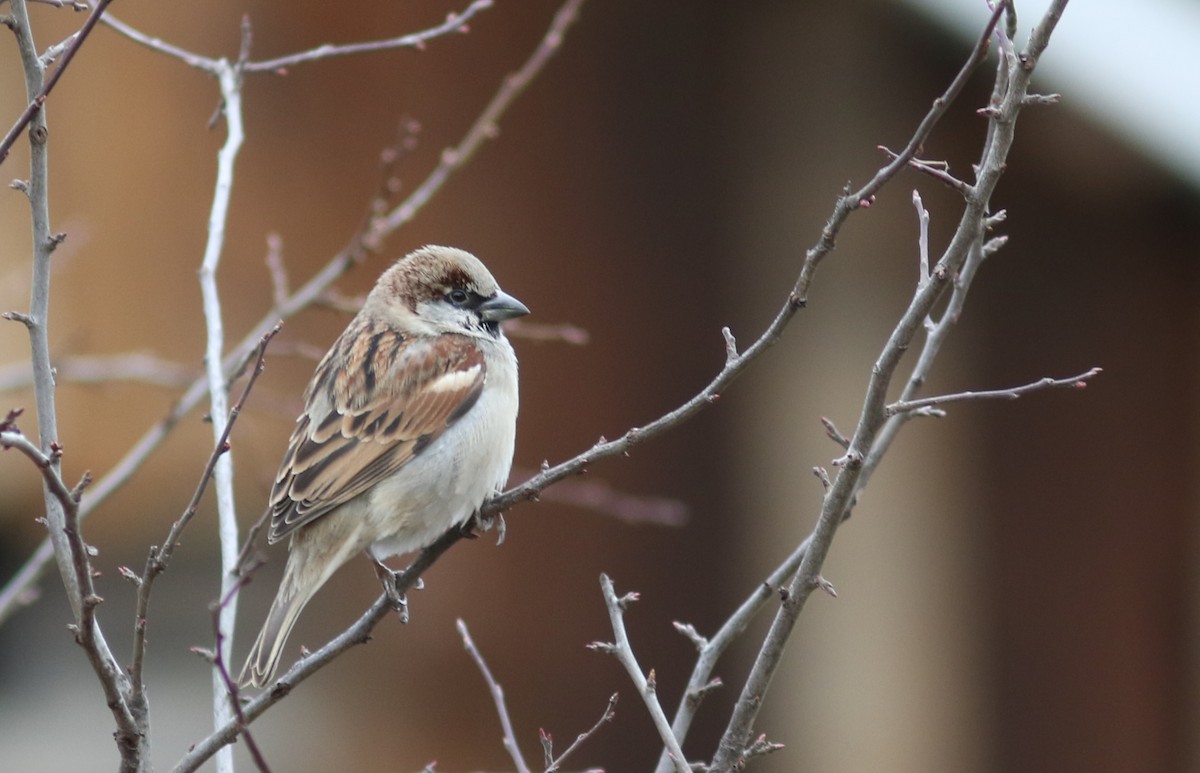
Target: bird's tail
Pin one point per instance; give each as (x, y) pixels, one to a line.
(294, 593)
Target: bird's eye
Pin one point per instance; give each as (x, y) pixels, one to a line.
(458, 296)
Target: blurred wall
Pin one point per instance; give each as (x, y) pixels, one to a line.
(1016, 588)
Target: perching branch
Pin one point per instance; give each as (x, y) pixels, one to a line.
(360, 245)
(356, 634)
(735, 362)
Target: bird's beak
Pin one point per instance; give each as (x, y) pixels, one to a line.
(500, 307)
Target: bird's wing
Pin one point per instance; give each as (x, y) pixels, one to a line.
(366, 419)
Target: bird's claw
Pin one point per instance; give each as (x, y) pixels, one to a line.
(477, 524)
(390, 581)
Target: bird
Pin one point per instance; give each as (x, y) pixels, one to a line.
(409, 425)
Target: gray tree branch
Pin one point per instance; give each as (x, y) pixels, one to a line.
(1013, 75)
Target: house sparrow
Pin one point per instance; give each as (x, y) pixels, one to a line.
(408, 426)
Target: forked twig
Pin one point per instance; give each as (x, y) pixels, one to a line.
(36, 103)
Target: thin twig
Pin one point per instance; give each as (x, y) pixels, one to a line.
(701, 681)
(455, 22)
(646, 684)
(11, 437)
(231, 688)
(189, 58)
(510, 738)
(941, 173)
(160, 557)
(554, 764)
(1012, 393)
(484, 127)
(39, 99)
(850, 201)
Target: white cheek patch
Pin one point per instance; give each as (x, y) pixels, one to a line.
(454, 381)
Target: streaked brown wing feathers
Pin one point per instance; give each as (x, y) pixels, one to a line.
(365, 420)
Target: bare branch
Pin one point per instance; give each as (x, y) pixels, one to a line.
(533, 488)
(39, 99)
(1071, 382)
(454, 23)
(1042, 99)
(645, 684)
(231, 688)
(160, 557)
(554, 764)
(834, 434)
(510, 738)
(65, 541)
(701, 681)
(230, 78)
(850, 201)
(484, 127)
(938, 170)
(11, 437)
(161, 46)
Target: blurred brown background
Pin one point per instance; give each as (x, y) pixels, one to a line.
(1017, 590)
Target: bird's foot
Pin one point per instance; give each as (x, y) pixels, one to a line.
(476, 524)
(390, 579)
